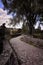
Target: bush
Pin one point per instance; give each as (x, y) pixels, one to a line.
(38, 36)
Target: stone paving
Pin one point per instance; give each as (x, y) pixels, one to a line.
(28, 54)
(5, 55)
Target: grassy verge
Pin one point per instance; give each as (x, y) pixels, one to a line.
(32, 43)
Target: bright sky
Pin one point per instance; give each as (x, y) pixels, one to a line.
(1, 5)
(38, 22)
(4, 17)
(3, 14)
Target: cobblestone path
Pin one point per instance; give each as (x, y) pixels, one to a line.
(28, 54)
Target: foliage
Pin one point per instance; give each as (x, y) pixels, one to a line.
(38, 34)
(15, 32)
(27, 8)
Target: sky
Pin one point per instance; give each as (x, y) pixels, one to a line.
(1, 5)
(3, 14)
(4, 17)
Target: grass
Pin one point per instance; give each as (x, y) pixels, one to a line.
(32, 43)
(38, 35)
(28, 42)
(36, 45)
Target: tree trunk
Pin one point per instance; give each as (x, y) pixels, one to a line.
(31, 21)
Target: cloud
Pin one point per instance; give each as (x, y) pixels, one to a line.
(3, 16)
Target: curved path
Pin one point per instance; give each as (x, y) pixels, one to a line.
(28, 54)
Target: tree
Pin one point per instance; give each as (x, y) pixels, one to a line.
(27, 8)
